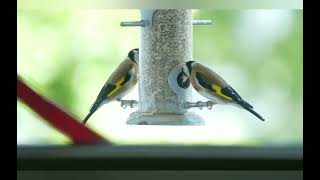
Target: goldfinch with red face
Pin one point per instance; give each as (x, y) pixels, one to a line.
(120, 83)
(213, 87)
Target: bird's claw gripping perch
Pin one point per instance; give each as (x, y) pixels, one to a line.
(199, 104)
(130, 103)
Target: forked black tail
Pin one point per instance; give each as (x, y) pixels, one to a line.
(248, 107)
(87, 117)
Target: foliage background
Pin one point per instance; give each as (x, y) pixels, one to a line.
(66, 55)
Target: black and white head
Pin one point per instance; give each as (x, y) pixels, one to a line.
(183, 79)
(189, 65)
(134, 55)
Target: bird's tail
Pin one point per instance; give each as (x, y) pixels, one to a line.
(93, 108)
(87, 117)
(249, 108)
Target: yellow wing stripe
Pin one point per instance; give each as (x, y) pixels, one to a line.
(118, 86)
(218, 91)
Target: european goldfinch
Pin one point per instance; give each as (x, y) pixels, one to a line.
(213, 87)
(120, 83)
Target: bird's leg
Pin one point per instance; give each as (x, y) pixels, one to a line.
(130, 103)
(199, 104)
(119, 99)
(210, 104)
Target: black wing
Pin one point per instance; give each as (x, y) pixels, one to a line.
(103, 95)
(203, 82)
(108, 88)
(127, 78)
(230, 92)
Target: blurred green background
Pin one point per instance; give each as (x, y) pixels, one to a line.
(66, 55)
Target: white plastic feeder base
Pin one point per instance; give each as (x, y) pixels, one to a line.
(188, 119)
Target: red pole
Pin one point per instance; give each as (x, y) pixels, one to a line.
(57, 117)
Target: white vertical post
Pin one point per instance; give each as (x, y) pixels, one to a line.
(165, 43)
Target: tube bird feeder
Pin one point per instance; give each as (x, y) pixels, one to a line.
(165, 45)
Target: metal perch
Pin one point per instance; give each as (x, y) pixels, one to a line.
(199, 104)
(187, 105)
(144, 23)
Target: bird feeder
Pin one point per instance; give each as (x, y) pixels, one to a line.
(165, 46)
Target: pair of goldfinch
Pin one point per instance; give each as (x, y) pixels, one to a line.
(205, 81)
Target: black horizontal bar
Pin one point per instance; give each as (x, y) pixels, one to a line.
(158, 158)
